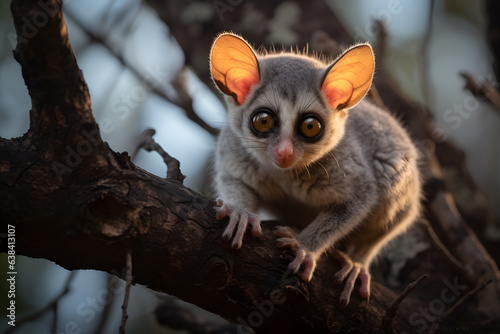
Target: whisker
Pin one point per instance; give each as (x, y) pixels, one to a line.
(327, 174)
(343, 171)
(271, 103)
(309, 102)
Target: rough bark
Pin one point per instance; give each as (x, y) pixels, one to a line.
(76, 202)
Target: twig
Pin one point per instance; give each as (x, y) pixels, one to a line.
(425, 54)
(380, 54)
(185, 102)
(51, 306)
(383, 41)
(173, 165)
(440, 246)
(459, 303)
(375, 97)
(485, 90)
(322, 42)
(491, 12)
(388, 320)
(128, 277)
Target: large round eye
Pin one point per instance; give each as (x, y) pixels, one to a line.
(310, 127)
(263, 122)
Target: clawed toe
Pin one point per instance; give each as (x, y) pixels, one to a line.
(286, 238)
(345, 296)
(300, 255)
(364, 290)
(239, 219)
(341, 275)
(350, 271)
(221, 210)
(287, 243)
(345, 264)
(304, 259)
(284, 232)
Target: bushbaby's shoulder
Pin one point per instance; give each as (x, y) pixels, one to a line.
(385, 143)
(371, 124)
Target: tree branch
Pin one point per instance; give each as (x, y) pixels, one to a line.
(483, 90)
(390, 313)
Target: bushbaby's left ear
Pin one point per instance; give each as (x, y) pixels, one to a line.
(234, 66)
(350, 77)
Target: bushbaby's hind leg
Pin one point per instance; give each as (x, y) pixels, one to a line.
(350, 271)
(361, 249)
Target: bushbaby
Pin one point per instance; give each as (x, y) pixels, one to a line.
(301, 143)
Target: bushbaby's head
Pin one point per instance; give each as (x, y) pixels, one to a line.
(289, 109)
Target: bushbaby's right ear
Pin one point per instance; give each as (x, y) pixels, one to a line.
(234, 66)
(350, 77)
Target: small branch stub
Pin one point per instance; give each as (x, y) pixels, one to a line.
(484, 90)
(387, 321)
(173, 165)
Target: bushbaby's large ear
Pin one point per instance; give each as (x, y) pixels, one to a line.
(350, 77)
(234, 66)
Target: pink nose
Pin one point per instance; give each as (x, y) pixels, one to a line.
(285, 152)
(284, 155)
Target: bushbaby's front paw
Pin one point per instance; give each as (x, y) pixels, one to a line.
(239, 219)
(303, 257)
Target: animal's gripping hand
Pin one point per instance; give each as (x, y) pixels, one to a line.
(303, 257)
(239, 219)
